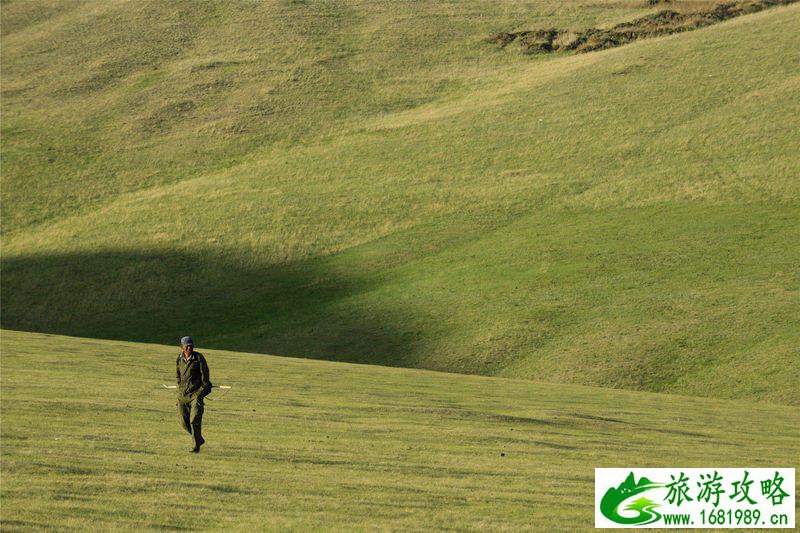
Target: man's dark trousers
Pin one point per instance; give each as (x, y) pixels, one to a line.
(190, 410)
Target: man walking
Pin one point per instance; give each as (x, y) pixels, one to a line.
(194, 384)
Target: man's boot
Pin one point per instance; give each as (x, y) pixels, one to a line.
(198, 438)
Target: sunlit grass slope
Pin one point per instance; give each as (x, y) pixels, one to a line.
(101, 98)
(91, 441)
(374, 182)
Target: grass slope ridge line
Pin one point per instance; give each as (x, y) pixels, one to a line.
(664, 22)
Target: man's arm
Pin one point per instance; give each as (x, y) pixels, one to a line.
(205, 377)
(178, 370)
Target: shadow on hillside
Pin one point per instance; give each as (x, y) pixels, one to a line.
(299, 310)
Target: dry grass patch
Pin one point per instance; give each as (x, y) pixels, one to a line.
(683, 18)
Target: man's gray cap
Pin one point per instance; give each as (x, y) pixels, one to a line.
(186, 341)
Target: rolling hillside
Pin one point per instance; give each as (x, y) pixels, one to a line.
(376, 182)
(90, 436)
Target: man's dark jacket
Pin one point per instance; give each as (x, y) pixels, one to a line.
(193, 376)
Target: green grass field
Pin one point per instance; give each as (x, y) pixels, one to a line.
(374, 182)
(90, 441)
(598, 251)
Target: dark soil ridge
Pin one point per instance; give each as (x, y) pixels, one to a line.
(662, 23)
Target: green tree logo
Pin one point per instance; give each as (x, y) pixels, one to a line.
(614, 497)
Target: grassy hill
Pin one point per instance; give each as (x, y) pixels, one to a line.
(296, 444)
(375, 182)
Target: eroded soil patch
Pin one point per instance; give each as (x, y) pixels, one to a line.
(662, 23)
